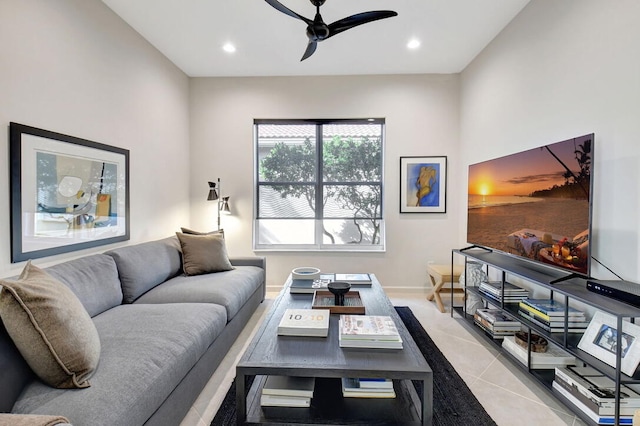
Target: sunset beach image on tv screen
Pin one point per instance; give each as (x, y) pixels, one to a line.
(535, 204)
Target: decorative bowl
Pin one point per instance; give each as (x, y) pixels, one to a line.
(305, 273)
(338, 289)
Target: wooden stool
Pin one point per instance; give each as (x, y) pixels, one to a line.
(441, 275)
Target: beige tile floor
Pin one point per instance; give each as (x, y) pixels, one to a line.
(507, 393)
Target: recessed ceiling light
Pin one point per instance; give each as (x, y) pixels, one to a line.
(414, 43)
(229, 48)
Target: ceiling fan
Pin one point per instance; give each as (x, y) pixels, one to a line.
(317, 30)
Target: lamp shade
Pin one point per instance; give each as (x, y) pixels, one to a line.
(224, 206)
(213, 194)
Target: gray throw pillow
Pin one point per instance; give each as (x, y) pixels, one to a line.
(50, 327)
(202, 254)
(192, 232)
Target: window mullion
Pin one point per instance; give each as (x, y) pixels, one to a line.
(319, 184)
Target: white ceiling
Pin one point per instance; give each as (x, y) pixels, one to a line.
(191, 34)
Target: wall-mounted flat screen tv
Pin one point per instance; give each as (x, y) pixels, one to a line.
(536, 204)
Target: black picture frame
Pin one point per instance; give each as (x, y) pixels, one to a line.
(67, 193)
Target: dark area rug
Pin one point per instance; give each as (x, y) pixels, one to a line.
(453, 402)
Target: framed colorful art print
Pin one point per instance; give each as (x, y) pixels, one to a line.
(67, 193)
(423, 184)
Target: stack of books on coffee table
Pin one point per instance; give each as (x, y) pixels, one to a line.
(304, 322)
(287, 391)
(368, 331)
(367, 388)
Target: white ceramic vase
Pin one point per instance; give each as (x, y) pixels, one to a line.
(472, 277)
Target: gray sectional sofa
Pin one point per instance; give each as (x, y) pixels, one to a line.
(162, 335)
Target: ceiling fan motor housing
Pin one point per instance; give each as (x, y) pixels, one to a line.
(318, 30)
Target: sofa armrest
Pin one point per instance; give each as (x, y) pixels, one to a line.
(260, 262)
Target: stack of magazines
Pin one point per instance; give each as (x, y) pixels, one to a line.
(287, 391)
(495, 323)
(368, 331)
(594, 394)
(367, 388)
(549, 315)
(494, 291)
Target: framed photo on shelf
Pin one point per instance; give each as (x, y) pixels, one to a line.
(67, 193)
(423, 184)
(601, 341)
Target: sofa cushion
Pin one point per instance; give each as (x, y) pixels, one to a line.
(50, 327)
(143, 266)
(146, 351)
(230, 289)
(94, 279)
(204, 253)
(15, 373)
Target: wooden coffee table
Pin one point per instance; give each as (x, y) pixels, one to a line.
(325, 360)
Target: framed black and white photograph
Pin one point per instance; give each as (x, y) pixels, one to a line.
(423, 184)
(67, 193)
(601, 341)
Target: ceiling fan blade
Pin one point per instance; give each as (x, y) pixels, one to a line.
(358, 19)
(282, 8)
(311, 47)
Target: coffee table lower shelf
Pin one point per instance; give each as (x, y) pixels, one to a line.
(328, 407)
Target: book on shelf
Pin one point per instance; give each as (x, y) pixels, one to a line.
(598, 419)
(495, 334)
(310, 286)
(370, 331)
(377, 383)
(557, 327)
(552, 358)
(497, 318)
(284, 401)
(304, 322)
(574, 317)
(497, 299)
(495, 288)
(598, 398)
(351, 388)
(356, 384)
(495, 323)
(354, 279)
(289, 386)
(555, 322)
(549, 308)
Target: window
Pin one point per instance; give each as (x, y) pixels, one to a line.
(319, 185)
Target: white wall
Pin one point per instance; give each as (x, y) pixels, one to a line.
(563, 69)
(422, 118)
(76, 68)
